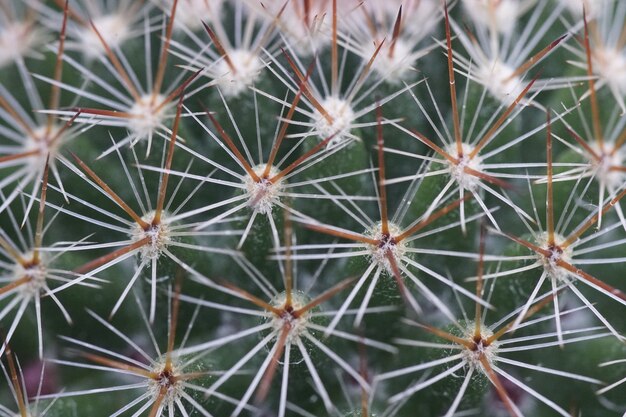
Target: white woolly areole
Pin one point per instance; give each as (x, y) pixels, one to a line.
(247, 70)
(342, 117)
(500, 80)
(159, 235)
(16, 39)
(473, 356)
(611, 178)
(305, 38)
(457, 171)
(36, 273)
(42, 143)
(592, 7)
(422, 11)
(395, 68)
(191, 13)
(556, 253)
(263, 194)
(297, 325)
(500, 15)
(114, 29)
(166, 379)
(147, 116)
(387, 244)
(610, 65)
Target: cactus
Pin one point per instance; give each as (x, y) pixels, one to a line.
(312, 208)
